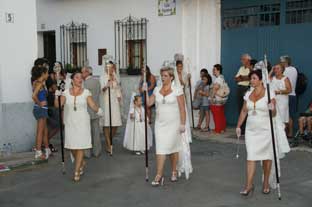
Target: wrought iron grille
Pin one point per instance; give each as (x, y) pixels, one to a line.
(298, 11)
(130, 44)
(251, 16)
(73, 40)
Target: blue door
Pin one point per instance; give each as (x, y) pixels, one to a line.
(258, 27)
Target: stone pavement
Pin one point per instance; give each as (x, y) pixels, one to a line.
(119, 181)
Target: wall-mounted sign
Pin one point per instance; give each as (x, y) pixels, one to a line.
(9, 17)
(166, 7)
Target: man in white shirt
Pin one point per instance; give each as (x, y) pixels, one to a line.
(242, 80)
(292, 74)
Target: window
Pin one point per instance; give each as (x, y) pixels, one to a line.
(298, 11)
(130, 44)
(253, 16)
(73, 46)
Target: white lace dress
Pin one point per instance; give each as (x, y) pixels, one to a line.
(134, 138)
(115, 93)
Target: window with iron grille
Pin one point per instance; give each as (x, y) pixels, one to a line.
(298, 11)
(130, 44)
(73, 40)
(252, 16)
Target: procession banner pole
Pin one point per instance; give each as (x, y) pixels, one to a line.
(110, 112)
(57, 70)
(190, 90)
(145, 124)
(266, 76)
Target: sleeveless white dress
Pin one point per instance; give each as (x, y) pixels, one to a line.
(167, 123)
(281, 99)
(77, 123)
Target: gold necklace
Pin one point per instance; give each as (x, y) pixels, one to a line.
(75, 96)
(254, 112)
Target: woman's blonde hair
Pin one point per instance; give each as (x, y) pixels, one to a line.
(169, 70)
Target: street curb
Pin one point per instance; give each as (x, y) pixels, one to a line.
(21, 165)
(220, 139)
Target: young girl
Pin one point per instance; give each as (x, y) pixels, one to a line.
(39, 76)
(204, 107)
(134, 138)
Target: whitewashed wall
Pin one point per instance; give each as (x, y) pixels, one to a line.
(164, 33)
(18, 49)
(201, 34)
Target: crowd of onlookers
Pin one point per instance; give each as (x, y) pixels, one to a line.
(210, 95)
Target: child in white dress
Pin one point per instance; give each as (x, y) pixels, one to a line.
(134, 138)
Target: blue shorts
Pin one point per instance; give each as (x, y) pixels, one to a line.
(204, 108)
(292, 104)
(40, 113)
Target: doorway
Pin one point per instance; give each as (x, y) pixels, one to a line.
(49, 51)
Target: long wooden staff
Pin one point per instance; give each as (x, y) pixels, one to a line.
(110, 112)
(265, 72)
(190, 90)
(145, 124)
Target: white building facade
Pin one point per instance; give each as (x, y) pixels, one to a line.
(194, 31)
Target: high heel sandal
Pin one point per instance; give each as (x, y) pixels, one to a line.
(158, 181)
(82, 167)
(174, 176)
(266, 191)
(247, 192)
(76, 177)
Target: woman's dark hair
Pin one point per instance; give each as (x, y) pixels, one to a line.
(148, 73)
(253, 62)
(257, 72)
(74, 74)
(37, 71)
(204, 70)
(136, 97)
(41, 61)
(218, 67)
(208, 78)
(178, 62)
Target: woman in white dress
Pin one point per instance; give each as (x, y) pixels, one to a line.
(183, 82)
(282, 87)
(169, 123)
(109, 80)
(77, 120)
(258, 131)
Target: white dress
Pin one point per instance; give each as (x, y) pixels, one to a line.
(77, 123)
(281, 99)
(115, 105)
(134, 138)
(258, 130)
(258, 137)
(167, 134)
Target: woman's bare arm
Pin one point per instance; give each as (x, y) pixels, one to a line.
(181, 103)
(242, 115)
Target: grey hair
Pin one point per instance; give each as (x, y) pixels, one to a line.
(89, 68)
(246, 55)
(285, 58)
